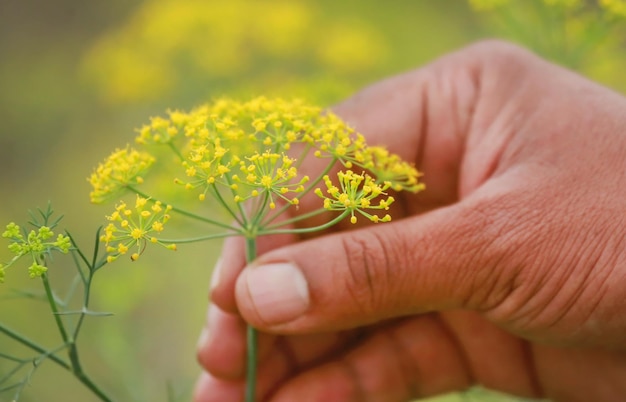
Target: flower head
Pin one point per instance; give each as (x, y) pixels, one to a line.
(389, 167)
(615, 8)
(121, 169)
(565, 4)
(356, 193)
(36, 244)
(130, 229)
(247, 156)
(244, 150)
(487, 5)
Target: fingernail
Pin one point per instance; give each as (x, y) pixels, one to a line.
(215, 276)
(279, 292)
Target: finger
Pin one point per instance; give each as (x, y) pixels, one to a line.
(222, 345)
(232, 261)
(280, 364)
(213, 389)
(440, 260)
(569, 374)
(410, 359)
(497, 360)
(403, 360)
(432, 115)
(423, 116)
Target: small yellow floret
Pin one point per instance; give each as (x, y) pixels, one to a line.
(137, 233)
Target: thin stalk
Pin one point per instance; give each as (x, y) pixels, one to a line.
(198, 239)
(82, 377)
(185, 213)
(282, 209)
(242, 213)
(33, 345)
(176, 151)
(87, 382)
(86, 297)
(260, 207)
(307, 230)
(75, 365)
(252, 335)
(54, 308)
(93, 267)
(296, 219)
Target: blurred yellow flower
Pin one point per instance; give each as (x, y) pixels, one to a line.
(169, 45)
(567, 4)
(124, 167)
(614, 7)
(483, 5)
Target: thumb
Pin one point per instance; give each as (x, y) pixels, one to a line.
(439, 260)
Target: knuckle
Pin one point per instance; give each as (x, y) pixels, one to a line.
(368, 269)
(502, 243)
(544, 268)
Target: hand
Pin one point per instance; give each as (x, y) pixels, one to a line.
(508, 271)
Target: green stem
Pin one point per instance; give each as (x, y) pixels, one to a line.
(198, 239)
(242, 213)
(326, 225)
(296, 219)
(87, 382)
(176, 151)
(54, 308)
(260, 207)
(34, 346)
(220, 199)
(84, 379)
(252, 335)
(185, 213)
(75, 365)
(319, 178)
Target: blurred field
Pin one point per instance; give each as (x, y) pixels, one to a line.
(76, 79)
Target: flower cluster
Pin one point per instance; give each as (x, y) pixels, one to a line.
(247, 157)
(36, 244)
(612, 8)
(123, 168)
(140, 59)
(565, 4)
(355, 194)
(134, 228)
(484, 5)
(616, 8)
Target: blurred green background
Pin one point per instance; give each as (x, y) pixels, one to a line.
(77, 78)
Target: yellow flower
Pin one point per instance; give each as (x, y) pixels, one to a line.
(388, 167)
(566, 4)
(123, 168)
(356, 193)
(487, 5)
(615, 7)
(249, 153)
(135, 228)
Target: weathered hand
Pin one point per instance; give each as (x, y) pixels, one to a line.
(508, 271)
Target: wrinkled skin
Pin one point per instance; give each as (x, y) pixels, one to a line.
(508, 271)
